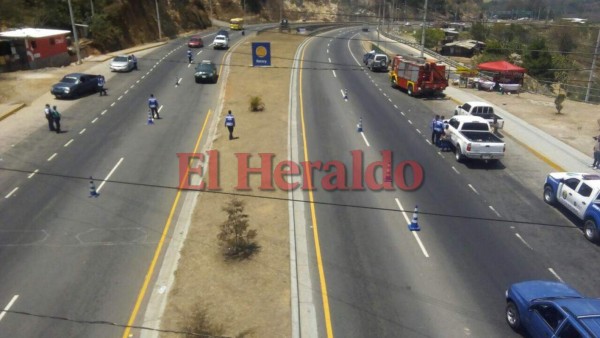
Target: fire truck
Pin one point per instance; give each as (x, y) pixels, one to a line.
(418, 76)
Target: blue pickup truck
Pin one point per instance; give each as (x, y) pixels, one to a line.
(551, 309)
(577, 192)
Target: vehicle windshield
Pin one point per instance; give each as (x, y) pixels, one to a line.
(204, 68)
(195, 39)
(120, 59)
(476, 126)
(68, 79)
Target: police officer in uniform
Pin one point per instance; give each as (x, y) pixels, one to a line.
(49, 117)
(153, 105)
(230, 124)
(189, 54)
(101, 82)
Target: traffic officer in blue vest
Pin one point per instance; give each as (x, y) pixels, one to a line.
(438, 130)
(153, 105)
(230, 124)
(101, 82)
(189, 54)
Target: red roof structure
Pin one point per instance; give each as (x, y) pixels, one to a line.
(500, 66)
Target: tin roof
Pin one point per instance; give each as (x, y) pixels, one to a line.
(32, 33)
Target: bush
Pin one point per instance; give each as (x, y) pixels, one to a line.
(235, 238)
(256, 104)
(197, 323)
(558, 102)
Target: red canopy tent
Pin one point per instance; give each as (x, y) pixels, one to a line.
(500, 66)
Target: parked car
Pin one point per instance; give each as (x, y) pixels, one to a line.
(206, 71)
(578, 193)
(472, 137)
(368, 56)
(481, 109)
(195, 42)
(378, 63)
(122, 63)
(551, 309)
(74, 85)
(221, 42)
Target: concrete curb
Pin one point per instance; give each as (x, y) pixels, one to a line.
(15, 108)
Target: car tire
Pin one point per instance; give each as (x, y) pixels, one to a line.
(590, 230)
(458, 154)
(549, 196)
(409, 91)
(512, 316)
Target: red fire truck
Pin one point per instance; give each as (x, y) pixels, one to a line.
(418, 76)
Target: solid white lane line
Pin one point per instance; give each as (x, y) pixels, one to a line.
(494, 210)
(11, 192)
(365, 138)
(113, 104)
(51, 157)
(472, 188)
(556, 275)
(120, 97)
(160, 108)
(82, 131)
(67, 144)
(103, 112)
(109, 174)
(523, 240)
(453, 168)
(33, 173)
(417, 238)
(94, 120)
(418, 131)
(8, 306)
(334, 73)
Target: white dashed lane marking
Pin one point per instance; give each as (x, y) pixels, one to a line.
(8, 306)
(473, 188)
(51, 157)
(524, 242)
(103, 112)
(11, 192)
(82, 131)
(453, 168)
(496, 212)
(333, 73)
(556, 275)
(69, 142)
(94, 120)
(33, 173)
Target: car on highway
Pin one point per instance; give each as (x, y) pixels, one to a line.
(220, 42)
(368, 56)
(551, 309)
(195, 42)
(223, 32)
(378, 63)
(206, 71)
(74, 85)
(122, 63)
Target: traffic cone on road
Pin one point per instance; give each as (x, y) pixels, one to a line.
(359, 127)
(388, 173)
(414, 225)
(93, 192)
(150, 118)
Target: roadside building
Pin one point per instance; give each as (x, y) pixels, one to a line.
(32, 48)
(465, 48)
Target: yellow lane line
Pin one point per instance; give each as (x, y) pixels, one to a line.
(150, 272)
(314, 216)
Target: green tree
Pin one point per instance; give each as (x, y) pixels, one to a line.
(433, 37)
(565, 38)
(479, 31)
(538, 60)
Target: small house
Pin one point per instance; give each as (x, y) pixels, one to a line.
(465, 48)
(31, 48)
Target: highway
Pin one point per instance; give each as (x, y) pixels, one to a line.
(483, 226)
(65, 254)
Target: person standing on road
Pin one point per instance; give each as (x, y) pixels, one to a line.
(48, 114)
(189, 54)
(230, 124)
(134, 59)
(153, 105)
(438, 129)
(56, 118)
(101, 82)
(437, 117)
(596, 164)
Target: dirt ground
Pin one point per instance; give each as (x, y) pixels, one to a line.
(253, 296)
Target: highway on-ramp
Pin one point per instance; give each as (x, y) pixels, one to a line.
(483, 226)
(74, 265)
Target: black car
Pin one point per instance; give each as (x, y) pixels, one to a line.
(206, 71)
(74, 85)
(368, 56)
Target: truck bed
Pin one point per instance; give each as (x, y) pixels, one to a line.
(481, 136)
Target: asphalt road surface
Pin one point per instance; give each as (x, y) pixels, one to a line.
(68, 255)
(484, 226)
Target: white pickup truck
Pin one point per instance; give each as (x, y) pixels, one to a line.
(481, 109)
(580, 194)
(472, 138)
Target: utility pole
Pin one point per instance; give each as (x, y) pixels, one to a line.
(379, 22)
(74, 33)
(158, 20)
(587, 93)
(92, 5)
(423, 30)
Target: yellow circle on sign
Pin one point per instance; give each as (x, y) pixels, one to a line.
(261, 51)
